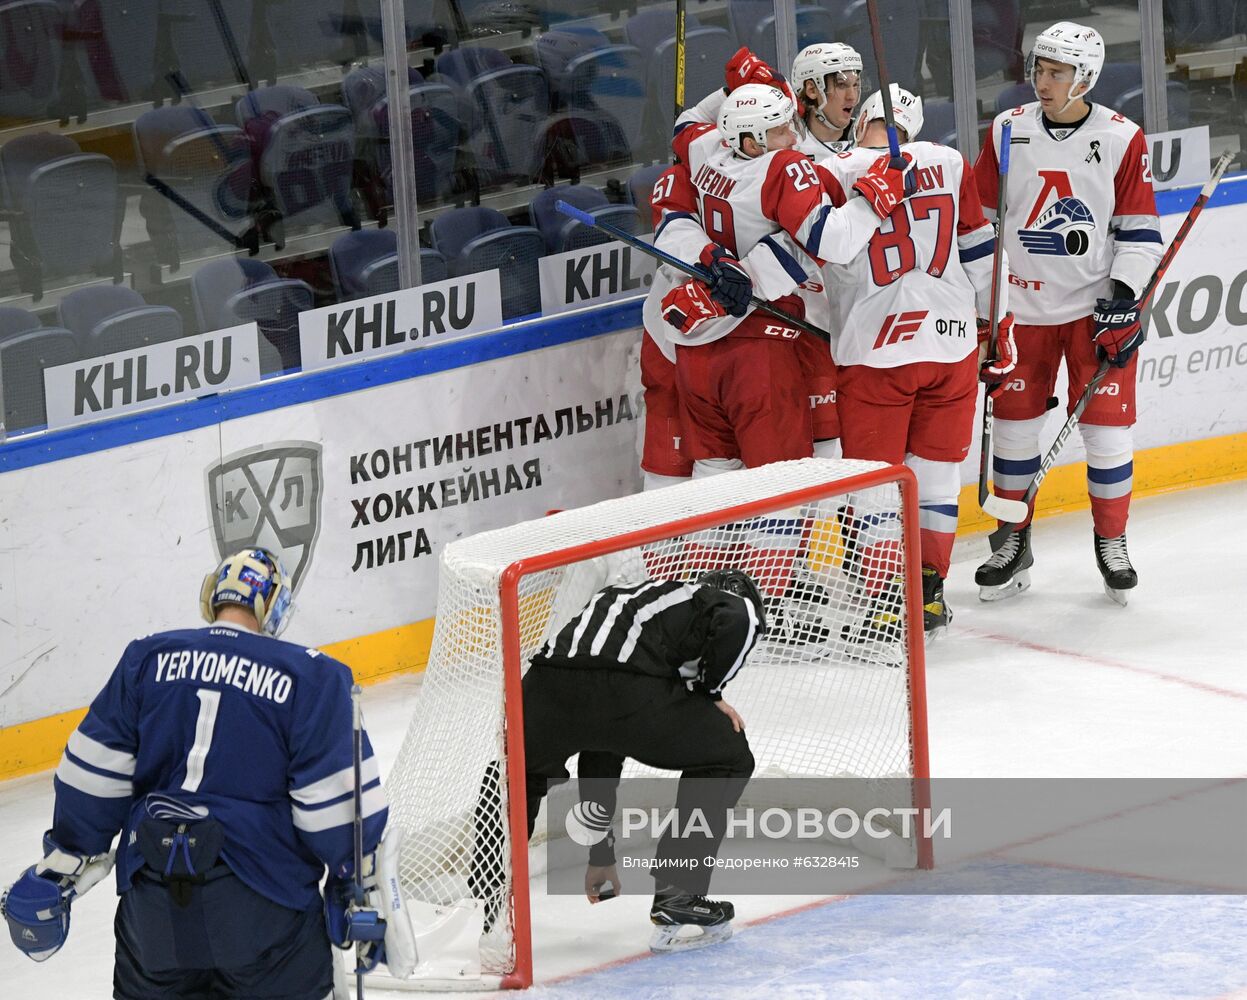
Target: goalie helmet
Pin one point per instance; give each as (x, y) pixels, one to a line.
(817, 62)
(1073, 44)
(254, 579)
(906, 109)
(752, 110)
(740, 583)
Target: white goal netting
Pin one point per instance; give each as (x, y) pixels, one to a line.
(830, 692)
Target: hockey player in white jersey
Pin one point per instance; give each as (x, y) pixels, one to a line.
(1083, 239)
(828, 80)
(905, 318)
(741, 390)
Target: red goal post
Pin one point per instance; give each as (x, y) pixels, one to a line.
(502, 592)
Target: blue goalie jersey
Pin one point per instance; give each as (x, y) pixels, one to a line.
(219, 722)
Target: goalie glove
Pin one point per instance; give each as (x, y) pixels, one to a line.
(731, 287)
(993, 370)
(1118, 330)
(688, 306)
(883, 186)
(381, 925)
(745, 67)
(36, 906)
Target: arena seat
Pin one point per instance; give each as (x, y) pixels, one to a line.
(30, 57)
(22, 360)
(241, 290)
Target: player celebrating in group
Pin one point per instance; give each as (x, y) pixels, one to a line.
(905, 319)
(1083, 239)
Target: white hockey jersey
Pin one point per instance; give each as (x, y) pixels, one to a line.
(1080, 211)
(915, 293)
(749, 206)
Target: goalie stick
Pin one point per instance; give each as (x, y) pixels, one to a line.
(693, 270)
(1001, 508)
(997, 537)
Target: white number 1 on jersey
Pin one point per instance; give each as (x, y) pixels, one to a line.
(209, 702)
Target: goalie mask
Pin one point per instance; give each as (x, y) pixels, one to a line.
(906, 109)
(817, 62)
(1075, 45)
(253, 579)
(752, 110)
(735, 581)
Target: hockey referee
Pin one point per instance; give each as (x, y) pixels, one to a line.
(640, 673)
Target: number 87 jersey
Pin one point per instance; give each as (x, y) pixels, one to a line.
(916, 291)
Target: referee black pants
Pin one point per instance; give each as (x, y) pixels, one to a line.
(606, 715)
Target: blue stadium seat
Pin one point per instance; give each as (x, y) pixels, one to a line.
(305, 155)
(997, 33)
(509, 106)
(577, 235)
(30, 57)
(1115, 80)
(14, 321)
(573, 141)
(436, 134)
(814, 24)
(549, 221)
(111, 318)
(22, 361)
(465, 65)
(1014, 96)
(555, 50)
(244, 290)
(199, 177)
(1130, 104)
(607, 82)
(939, 121)
(899, 26)
(67, 210)
(479, 239)
(366, 263)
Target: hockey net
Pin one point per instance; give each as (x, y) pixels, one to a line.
(833, 546)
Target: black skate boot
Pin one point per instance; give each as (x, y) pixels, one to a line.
(936, 614)
(1114, 563)
(674, 909)
(879, 636)
(1007, 572)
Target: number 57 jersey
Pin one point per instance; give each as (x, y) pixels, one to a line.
(915, 292)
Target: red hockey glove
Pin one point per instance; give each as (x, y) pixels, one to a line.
(883, 186)
(1118, 330)
(689, 305)
(993, 370)
(745, 67)
(731, 286)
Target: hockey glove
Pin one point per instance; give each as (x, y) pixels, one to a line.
(745, 67)
(688, 306)
(1118, 330)
(381, 925)
(731, 287)
(36, 906)
(883, 186)
(993, 370)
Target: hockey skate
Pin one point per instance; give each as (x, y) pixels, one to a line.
(936, 614)
(1114, 563)
(1007, 572)
(879, 637)
(673, 911)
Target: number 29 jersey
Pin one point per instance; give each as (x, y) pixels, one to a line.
(915, 292)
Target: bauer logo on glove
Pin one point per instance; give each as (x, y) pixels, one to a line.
(1118, 330)
(688, 306)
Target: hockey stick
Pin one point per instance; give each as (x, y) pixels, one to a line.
(997, 537)
(885, 91)
(357, 754)
(679, 61)
(1001, 508)
(700, 273)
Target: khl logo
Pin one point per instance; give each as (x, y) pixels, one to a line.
(588, 823)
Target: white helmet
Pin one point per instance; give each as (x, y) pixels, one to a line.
(816, 62)
(1075, 44)
(254, 579)
(906, 109)
(752, 110)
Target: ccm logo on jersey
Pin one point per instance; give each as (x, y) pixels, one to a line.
(775, 330)
(899, 327)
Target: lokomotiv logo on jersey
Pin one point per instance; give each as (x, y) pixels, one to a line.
(269, 495)
(1064, 230)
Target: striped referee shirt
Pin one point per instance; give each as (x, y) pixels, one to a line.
(662, 628)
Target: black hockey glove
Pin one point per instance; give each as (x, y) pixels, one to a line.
(730, 287)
